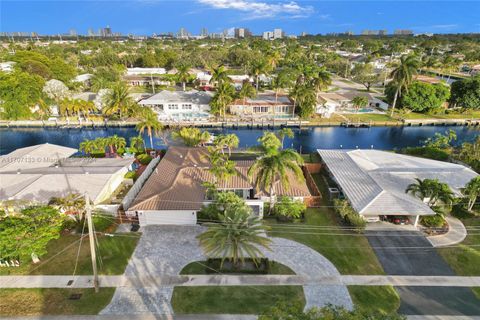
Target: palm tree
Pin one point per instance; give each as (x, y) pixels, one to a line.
(471, 192)
(273, 58)
(239, 235)
(257, 68)
(115, 142)
(73, 204)
(359, 102)
(247, 91)
(118, 101)
(137, 143)
(221, 168)
(224, 95)
(305, 97)
(88, 146)
(228, 141)
(321, 81)
(431, 191)
(274, 166)
(149, 122)
(285, 132)
(219, 76)
(191, 136)
(183, 74)
(402, 76)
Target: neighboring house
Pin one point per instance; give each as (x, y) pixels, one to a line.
(171, 103)
(145, 71)
(374, 182)
(83, 78)
(263, 105)
(138, 80)
(43, 171)
(475, 69)
(85, 96)
(238, 80)
(427, 79)
(175, 191)
(7, 66)
(203, 80)
(330, 102)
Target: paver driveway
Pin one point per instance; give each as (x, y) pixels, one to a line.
(410, 253)
(165, 250)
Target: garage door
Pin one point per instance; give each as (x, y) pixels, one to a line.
(167, 217)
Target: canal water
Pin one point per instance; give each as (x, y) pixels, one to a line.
(305, 139)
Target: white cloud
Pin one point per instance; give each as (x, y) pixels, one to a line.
(258, 10)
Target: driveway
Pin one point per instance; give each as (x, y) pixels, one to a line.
(410, 253)
(166, 250)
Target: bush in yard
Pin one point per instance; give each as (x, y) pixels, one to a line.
(349, 215)
(102, 222)
(289, 209)
(427, 152)
(131, 175)
(144, 159)
(435, 221)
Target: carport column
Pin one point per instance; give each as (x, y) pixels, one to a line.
(416, 221)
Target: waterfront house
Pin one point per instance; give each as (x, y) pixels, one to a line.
(374, 182)
(43, 171)
(170, 104)
(139, 80)
(175, 191)
(265, 104)
(145, 71)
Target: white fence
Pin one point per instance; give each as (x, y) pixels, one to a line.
(137, 186)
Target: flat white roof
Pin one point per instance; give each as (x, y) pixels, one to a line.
(167, 96)
(375, 181)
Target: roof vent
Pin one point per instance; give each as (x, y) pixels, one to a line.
(86, 172)
(19, 171)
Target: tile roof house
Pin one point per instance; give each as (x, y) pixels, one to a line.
(375, 181)
(263, 105)
(175, 191)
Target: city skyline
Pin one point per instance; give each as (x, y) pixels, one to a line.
(147, 17)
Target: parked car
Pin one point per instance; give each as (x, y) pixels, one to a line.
(399, 220)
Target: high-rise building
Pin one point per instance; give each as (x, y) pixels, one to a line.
(204, 32)
(182, 33)
(72, 33)
(267, 35)
(403, 32)
(90, 32)
(106, 32)
(241, 33)
(278, 33)
(382, 32)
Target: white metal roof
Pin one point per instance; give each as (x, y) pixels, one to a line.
(375, 181)
(166, 96)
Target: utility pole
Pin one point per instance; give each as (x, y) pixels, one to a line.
(92, 242)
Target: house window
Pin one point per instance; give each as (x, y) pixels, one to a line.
(173, 107)
(187, 107)
(260, 109)
(282, 109)
(239, 193)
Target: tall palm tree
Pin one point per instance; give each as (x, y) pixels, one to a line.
(219, 76)
(183, 74)
(431, 191)
(402, 76)
(239, 235)
(285, 132)
(247, 91)
(118, 101)
(305, 97)
(221, 168)
(273, 58)
(273, 167)
(321, 81)
(472, 192)
(228, 141)
(149, 122)
(115, 142)
(224, 95)
(257, 68)
(191, 136)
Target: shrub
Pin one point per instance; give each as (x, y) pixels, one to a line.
(435, 221)
(97, 154)
(144, 159)
(349, 215)
(131, 175)
(288, 208)
(427, 152)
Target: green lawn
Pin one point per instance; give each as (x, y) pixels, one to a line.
(113, 251)
(463, 258)
(23, 302)
(233, 299)
(200, 267)
(383, 299)
(366, 117)
(476, 292)
(414, 115)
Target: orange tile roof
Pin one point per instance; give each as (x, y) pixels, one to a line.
(177, 182)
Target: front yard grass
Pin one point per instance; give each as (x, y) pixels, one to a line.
(465, 258)
(114, 253)
(29, 302)
(382, 299)
(348, 251)
(367, 117)
(233, 299)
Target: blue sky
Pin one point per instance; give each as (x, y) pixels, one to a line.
(156, 16)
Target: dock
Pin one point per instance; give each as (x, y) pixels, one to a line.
(441, 122)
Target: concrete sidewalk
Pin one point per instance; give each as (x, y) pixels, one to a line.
(456, 233)
(234, 280)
